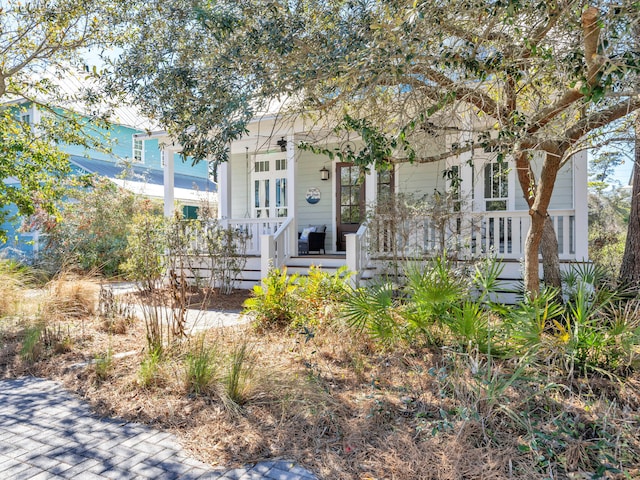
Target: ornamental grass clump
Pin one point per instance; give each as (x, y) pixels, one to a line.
(201, 367)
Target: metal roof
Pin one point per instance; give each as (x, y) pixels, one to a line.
(141, 173)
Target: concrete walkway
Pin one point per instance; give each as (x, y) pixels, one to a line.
(46, 432)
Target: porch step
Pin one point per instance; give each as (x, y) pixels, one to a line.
(323, 261)
(301, 265)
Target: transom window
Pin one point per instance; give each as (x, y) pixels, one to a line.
(262, 166)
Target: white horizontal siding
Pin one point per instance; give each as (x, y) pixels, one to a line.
(562, 197)
(420, 178)
(240, 207)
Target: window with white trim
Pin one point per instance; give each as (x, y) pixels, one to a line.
(138, 150)
(496, 186)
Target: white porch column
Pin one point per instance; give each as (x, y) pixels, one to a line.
(580, 203)
(371, 186)
(224, 190)
(466, 184)
(291, 194)
(169, 170)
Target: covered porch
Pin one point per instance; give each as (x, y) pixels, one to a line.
(270, 190)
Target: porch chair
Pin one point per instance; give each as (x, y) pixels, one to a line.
(311, 239)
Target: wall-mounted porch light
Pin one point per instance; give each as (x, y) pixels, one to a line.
(282, 143)
(324, 173)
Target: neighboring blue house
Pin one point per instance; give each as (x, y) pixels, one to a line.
(135, 162)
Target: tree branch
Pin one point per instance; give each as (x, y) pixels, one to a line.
(591, 32)
(600, 119)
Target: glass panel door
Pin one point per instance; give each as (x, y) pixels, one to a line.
(269, 186)
(350, 201)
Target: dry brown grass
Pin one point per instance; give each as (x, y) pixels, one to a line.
(12, 288)
(348, 410)
(69, 295)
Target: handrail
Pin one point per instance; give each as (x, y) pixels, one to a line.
(275, 248)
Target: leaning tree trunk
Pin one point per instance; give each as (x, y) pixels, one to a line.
(541, 236)
(630, 269)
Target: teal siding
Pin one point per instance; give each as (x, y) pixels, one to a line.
(152, 157)
(119, 140)
(200, 169)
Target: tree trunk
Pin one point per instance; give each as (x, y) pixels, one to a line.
(630, 269)
(550, 257)
(541, 232)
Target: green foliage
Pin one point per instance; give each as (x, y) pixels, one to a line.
(602, 168)
(273, 303)
(201, 367)
(373, 309)
(433, 291)
(608, 218)
(32, 345)
(149, 372)
(292, 301)
(469, 325)
(91, 233)
(355, 45)
(41, 43)
(241, 367)
(529, 319)
(103, 364)
(601, 335)
(319, 292)
(145, 249)
(593, 332)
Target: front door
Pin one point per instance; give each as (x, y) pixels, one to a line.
(269, 176)
(350, 202)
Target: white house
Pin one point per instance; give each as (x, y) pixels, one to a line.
(273, 190)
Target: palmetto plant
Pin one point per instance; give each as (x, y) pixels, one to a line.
(373, 309)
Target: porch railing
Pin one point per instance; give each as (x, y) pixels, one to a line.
(467, 235)
(254, 229)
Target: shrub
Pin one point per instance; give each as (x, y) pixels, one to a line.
(91, 233)
(273, 303)
(145, 249)
(103, 364)
(319, 292)
(373, 309)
